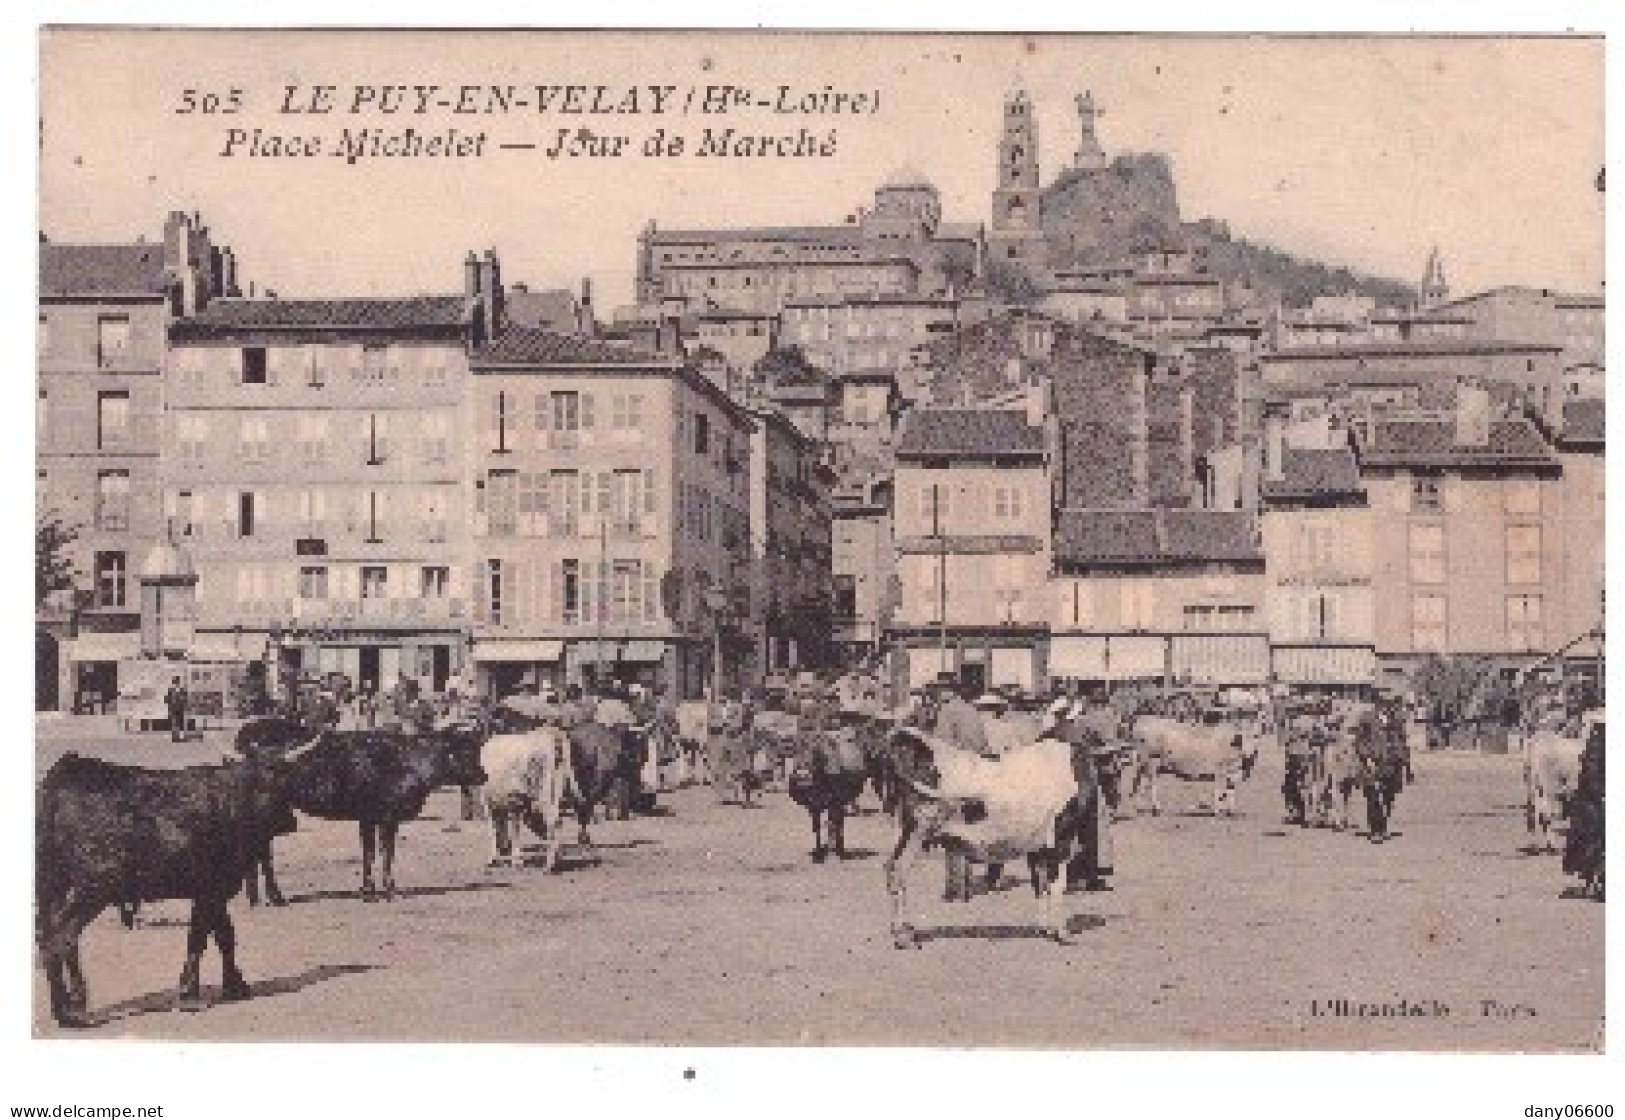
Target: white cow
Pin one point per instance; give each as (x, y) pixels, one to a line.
(1026, 803)
(1551, 767)
(526, 777)
(1222, 755)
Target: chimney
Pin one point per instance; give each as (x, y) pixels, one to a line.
(587, 321)
(1274, 448)
(668, 341)
(1472, 415)
(175, 240)
(228, 272)
(491, 295)
(471, 274)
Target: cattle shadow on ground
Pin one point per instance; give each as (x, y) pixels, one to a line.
(1532, 850)
(354, 894)
(1077, 923)
(164, 1002)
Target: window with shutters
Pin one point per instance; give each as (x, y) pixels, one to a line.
(566, 503)
(1429, 619)
(247, 507)
(434, 582)
(1137, 604)
(1007, 503)
(1316, 545)
(254, 439)
(191, 436)
(1521, 497)
(1427, 559)
(626, 592)
(113, 501)
(374, 581)
(312, 513)
(502, 503)
(432, 363)
(313, 583)
(1525, 628)
(113, 420)
(255, 368)
(375, 371)
(500, 419)
(702, 433)
(312, 437)
(435, 442)
(112, 340)
(565, 433)
(376, 436)
(432, 510)
(1523, 554)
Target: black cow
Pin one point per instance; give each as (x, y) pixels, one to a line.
(827, 774)
(603, 761)
(122, 835)
(271, 736)
(379, 779)
(1584, 853)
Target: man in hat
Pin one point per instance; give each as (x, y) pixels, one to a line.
(1092, 723)
(958, 724)
(175, 701)
(1000, 731)
(1304, 735)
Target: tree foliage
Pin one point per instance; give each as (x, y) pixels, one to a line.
(54, 569)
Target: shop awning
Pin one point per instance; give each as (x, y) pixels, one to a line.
(610, 651)
(103, 647)
(518, 649)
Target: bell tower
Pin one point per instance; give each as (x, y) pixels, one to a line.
(1016, 234)
(1435, 290)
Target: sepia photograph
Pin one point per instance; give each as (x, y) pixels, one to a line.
(819, 539)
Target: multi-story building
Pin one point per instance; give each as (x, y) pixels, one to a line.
(103, 314)
(1175, 596)
(972, 517)
(611, 517)
(314, 463)
(1418, 374)
(790, 542)
(866, 333)
(1318, 532)
(899, 247)
(1470, 555)
(1574, 322)
(1580, 443)
(864, 560)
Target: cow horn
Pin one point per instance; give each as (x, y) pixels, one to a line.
(305, 748)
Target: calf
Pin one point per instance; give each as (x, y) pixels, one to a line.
(121, 835)
(379, 779)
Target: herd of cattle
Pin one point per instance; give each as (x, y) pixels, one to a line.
(112, 835)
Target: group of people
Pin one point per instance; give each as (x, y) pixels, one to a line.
(1374, 722)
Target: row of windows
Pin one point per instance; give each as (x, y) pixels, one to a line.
(568, 503)
(570, 592)
(353, 365)
(113, 340)
(1521, 551)
(937, 503)
(315, 512)
(1430, 619)
(371, 438)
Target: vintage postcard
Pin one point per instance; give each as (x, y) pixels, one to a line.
(820, 539)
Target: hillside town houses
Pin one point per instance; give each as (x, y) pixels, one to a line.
(1074, 442)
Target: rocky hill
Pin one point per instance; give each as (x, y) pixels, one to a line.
(1103, 216)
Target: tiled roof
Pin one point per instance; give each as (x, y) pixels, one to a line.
(845, 235)
(1107, 537)
(1420, 347)
(1209, 534)
(1585, 421)
(540, 346)
(968, 431)
(1314, 472)
(1432, 443)
(293, 314)
(101, 269)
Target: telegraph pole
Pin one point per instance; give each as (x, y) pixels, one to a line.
(942, 578)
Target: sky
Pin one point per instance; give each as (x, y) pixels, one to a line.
(1363, 152)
